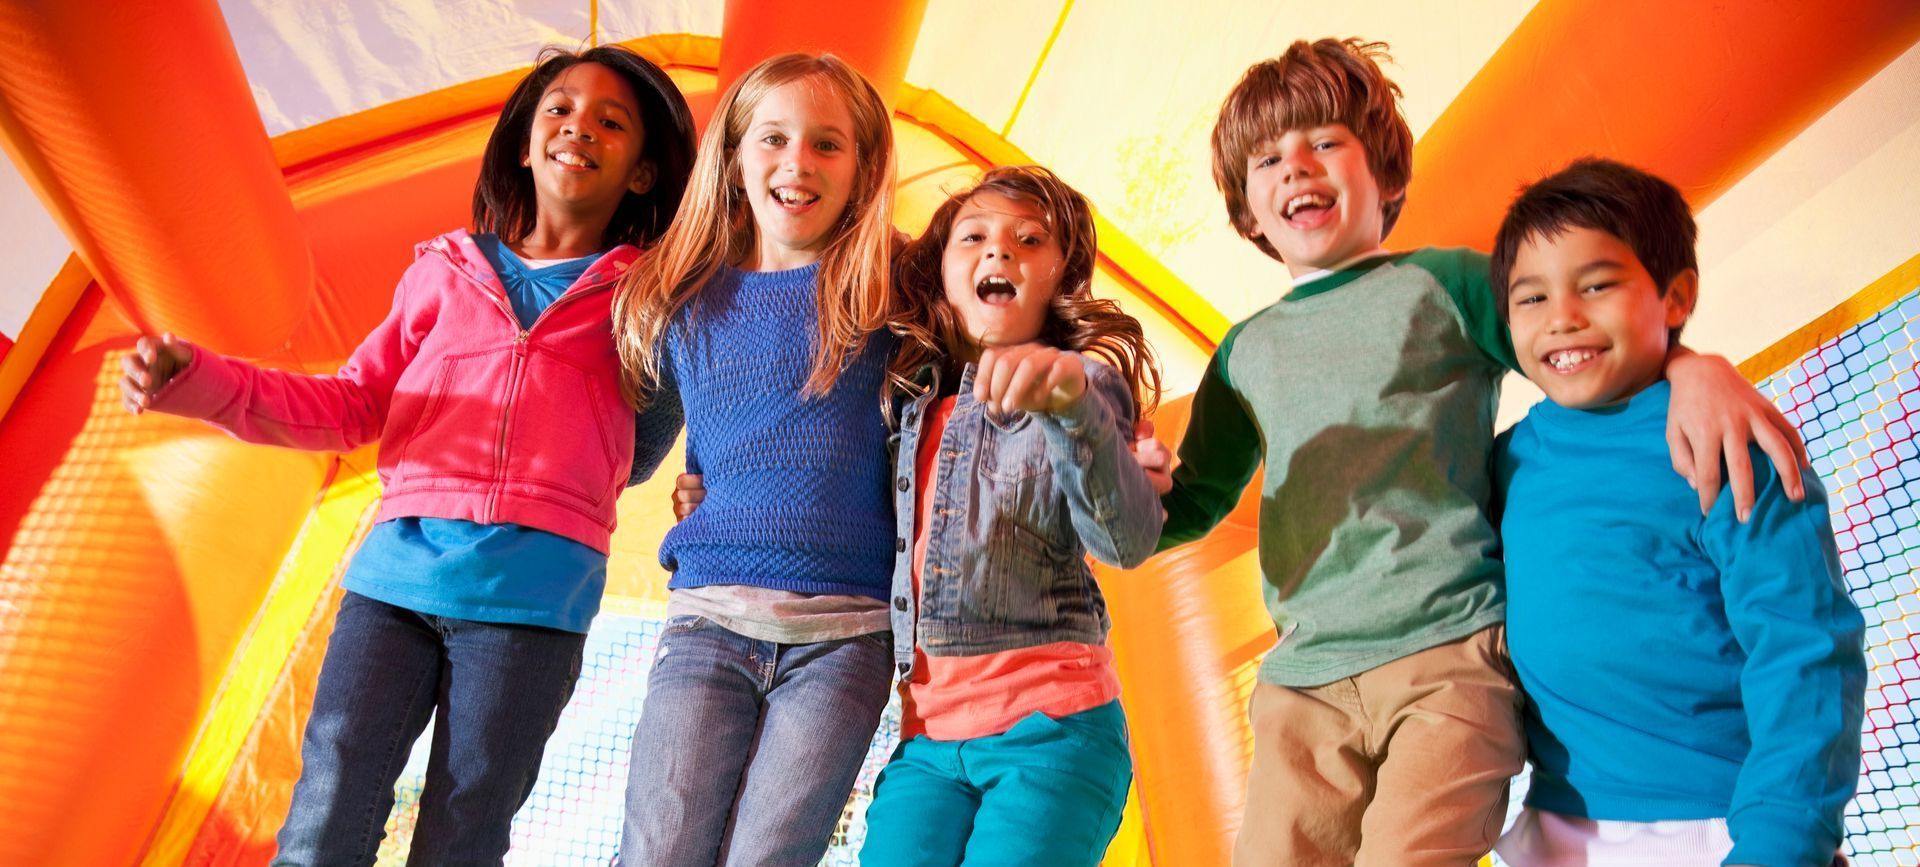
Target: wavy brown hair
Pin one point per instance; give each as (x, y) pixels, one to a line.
(929, 329)
(715, 227)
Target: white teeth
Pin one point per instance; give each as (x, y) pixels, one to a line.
(791, 196)
(994, 286)
(572, 159)
(1567, 359)
(1305, 200)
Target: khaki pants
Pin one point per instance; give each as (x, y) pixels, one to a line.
(1404, 765)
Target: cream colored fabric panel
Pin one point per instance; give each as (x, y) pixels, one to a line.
(979, 53)
(35, 250)
(1126, 101)
(1831, 212)
(1827, 214)
(313, 62)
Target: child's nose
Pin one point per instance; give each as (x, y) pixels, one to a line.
(1297, 166)
(1564, 315)
(800, 160)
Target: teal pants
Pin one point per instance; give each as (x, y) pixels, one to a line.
(1045, 792)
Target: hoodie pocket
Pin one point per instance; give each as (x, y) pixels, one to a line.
(561, 437)
(451, 417)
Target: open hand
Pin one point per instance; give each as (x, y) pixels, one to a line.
(1712, 416)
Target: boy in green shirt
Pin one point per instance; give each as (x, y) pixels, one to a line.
(1385, 720)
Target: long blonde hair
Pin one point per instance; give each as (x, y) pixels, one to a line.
(715, 227)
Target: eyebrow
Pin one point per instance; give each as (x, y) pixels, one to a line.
(1582, 271)
(575, 94)
(783, 123)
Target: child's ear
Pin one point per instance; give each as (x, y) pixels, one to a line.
(1394, 197)
(643, 176)
(1682, 291)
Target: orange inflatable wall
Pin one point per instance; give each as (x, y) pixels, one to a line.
(142, 552)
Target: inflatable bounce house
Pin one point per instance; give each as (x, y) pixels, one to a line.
(253, 174)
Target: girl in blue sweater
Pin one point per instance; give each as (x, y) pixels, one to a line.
(759, 319)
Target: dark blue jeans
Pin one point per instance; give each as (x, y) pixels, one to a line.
(747, 750)
(498, 690)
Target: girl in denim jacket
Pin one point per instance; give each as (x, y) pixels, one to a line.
(493, 389)
(1013, 463)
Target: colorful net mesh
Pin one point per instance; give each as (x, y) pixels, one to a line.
(1855, 399)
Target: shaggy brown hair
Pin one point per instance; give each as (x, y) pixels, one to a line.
(1314, 84)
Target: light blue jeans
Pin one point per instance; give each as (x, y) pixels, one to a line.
(746, 750)
(1047, 791)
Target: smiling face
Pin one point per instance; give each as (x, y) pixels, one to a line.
(1001, 267)
(797, 169)
(1589, 323)
(585, 144)
(1314, 198)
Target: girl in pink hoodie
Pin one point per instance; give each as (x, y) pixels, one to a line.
(493, 388)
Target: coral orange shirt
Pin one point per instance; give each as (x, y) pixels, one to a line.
(952, 698)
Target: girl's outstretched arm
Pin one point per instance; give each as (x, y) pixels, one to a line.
(333, 412)
(1086, 413)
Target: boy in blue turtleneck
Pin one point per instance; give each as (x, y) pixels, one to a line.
(1694, 685)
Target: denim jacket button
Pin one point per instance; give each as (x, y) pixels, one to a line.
(902, 484)
(900, 603)
(899, 543)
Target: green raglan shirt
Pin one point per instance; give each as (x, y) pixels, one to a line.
(1368, 397)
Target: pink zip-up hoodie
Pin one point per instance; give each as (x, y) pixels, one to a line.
(477, 419)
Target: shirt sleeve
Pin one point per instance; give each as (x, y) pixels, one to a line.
(1803, 684)
(1465, 275)
(336, 412)
(1218, 455)
(1110, 501)
(657, 426)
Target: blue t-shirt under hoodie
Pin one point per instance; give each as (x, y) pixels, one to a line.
(494, 573)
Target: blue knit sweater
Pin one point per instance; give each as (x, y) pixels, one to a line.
(797, 495)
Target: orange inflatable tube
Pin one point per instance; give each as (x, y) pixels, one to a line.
(134, 124)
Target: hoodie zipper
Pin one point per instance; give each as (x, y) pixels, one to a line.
(521, 338)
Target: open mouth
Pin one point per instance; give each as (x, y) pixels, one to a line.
(794, 198)
(995, 290)
(1571, 360)
(1306, 207)
(574, 159)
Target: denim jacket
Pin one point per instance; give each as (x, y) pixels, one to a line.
(1019, 502)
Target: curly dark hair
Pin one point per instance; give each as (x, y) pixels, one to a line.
(503, 197)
